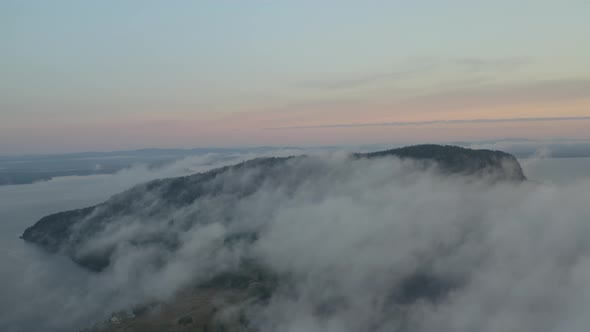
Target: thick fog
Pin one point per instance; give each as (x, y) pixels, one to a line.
(507, 256)
(32, 282)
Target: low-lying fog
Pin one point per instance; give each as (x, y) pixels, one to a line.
(528, 263)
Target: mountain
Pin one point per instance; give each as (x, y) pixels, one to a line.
(155, 202)
(170, 222)
(454, 159)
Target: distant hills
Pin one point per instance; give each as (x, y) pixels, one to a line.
(26, 169)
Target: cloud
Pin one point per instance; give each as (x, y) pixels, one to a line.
(537, 101)
(434, 122)
(474, 64)
(471, 65)
(355, 82)
(537, 91)
(509, 256)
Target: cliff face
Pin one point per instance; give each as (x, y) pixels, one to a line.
(154, 205)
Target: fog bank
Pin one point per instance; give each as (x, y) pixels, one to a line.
(514, 256)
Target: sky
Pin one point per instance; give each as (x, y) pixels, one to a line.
(111, 75)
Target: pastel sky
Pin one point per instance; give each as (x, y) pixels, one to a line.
(109, 75)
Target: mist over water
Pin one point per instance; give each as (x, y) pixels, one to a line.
(31, 281)
(557, 170)
(518, 253)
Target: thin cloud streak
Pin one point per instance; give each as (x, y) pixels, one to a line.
(432, 122)
(472, 65)
(337, 84)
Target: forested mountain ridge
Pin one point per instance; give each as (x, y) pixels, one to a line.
(210, 226)
(67, 231)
